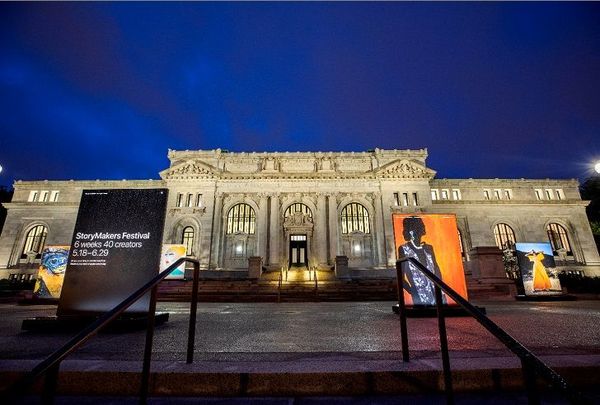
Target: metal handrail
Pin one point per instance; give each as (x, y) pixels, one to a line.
(50, 366)
(530, 363)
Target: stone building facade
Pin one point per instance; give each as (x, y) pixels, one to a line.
(306, 208)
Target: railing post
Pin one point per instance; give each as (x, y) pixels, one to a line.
(148, 348)
(193, 309)
(50, 384)
(444, 346)
(402, 308)
(529, 380)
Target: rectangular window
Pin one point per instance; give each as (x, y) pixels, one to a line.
(497, 194)
(179, 201)
(538, 194)
(559, 194)
(548, 194)
(198, 200)
(507, 194)
(54, 196)
(444, 194)
(434, 195)
(44, 196)
(190, 200)
(405, 199)
(396, 199)
(456, 194)
(486, 194)
(32, 196)
(415, 199)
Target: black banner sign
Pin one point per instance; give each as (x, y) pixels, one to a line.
(115, 249)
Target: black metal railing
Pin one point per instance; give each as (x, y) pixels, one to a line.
(531, 365)
(51, 365)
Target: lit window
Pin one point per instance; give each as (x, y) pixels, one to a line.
(507, 194)
(44, 196)
(415, 199)
(559, 194)
(497, 194)
(456, 194)
(297, 207)
(198, 200)
(35, 240)
(444, 194)
(190, 200)
(241, 218)
(558, 238)
(538, 194)
(548, 194)
(486, 194)
(179, 200)
(355, 218)
(504, 236)
(32, 196)
(434, 195)
(187, 239)
(54, 196)
(396, 199)
(405, 199)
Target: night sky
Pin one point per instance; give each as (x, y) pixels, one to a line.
(102, 90)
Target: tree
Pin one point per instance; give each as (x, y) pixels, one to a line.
(590, 190)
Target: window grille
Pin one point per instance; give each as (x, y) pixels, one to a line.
(355, 218)
(187, 239)
(241, 218)
(35, 240)
(504, 235)
(558, 238)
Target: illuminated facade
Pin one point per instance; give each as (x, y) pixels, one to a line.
(305, 208)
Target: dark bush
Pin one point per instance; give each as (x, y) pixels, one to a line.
(576, 283)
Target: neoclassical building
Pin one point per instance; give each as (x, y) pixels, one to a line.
(305, 208)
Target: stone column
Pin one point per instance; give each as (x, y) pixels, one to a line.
(320, 232)
(262, 226)
(334, 243)
(380, 241)
(216, 232)
(275, 232)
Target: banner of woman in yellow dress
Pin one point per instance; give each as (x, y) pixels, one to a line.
(538, 269)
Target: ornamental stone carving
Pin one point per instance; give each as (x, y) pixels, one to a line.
(406, 169)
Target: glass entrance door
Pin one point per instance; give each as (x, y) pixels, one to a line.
(298, 254)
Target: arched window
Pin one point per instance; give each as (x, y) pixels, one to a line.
(504, 235)
(297, 207)
(241, 218)
(558, 238)
(35, 240)
(187, 239)
(354, 218)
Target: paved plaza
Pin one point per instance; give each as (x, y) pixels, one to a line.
(262, 330)
(327, 338)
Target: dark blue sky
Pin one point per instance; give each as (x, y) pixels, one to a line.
(101, 90)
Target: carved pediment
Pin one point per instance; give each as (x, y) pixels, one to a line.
(298, 220)
(405, 169)
(189, 170)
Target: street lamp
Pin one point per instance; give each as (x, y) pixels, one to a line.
(597, 167)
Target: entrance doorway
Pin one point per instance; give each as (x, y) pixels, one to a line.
(298, 254)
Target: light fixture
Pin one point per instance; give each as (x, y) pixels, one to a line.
(0, 169)
(596, 167)
(357, 248)
(239, 248)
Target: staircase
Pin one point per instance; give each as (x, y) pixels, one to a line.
(297, 288)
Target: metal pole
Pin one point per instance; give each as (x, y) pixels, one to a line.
(193, 309)
(50, 383)
(148, 348)
(529, 380)
(444, 346)
(402, 308)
